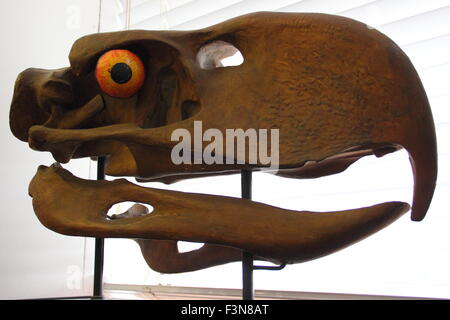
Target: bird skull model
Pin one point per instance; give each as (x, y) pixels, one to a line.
(334, 89)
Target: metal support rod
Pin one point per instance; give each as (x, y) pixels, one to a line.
(247, 276)
(270, 268)
(247, 257)
(99, 243)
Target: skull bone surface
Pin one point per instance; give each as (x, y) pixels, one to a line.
(334, 89)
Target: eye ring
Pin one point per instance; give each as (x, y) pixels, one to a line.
(120, 73)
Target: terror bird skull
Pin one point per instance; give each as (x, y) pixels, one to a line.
(336, 90)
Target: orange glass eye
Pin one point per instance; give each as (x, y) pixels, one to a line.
(120, 73)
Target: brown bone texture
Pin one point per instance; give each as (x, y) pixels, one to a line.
(280, 235)
(335, 89)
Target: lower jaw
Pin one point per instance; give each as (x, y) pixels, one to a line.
(78, 207)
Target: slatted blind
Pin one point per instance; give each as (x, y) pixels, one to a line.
(406, 258)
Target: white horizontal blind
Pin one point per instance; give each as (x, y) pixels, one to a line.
(406, 258)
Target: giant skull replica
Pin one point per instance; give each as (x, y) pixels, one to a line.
(336, 89)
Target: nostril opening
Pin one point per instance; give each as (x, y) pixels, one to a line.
(59, 85)
(56, 92)
(128, 210)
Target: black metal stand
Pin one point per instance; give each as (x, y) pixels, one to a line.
(247, 257)
(99, 243)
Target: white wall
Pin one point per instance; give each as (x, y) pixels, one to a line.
(36, 262)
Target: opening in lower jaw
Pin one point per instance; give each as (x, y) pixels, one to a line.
(128, 210)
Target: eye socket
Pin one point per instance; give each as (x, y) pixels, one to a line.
(120, 73)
